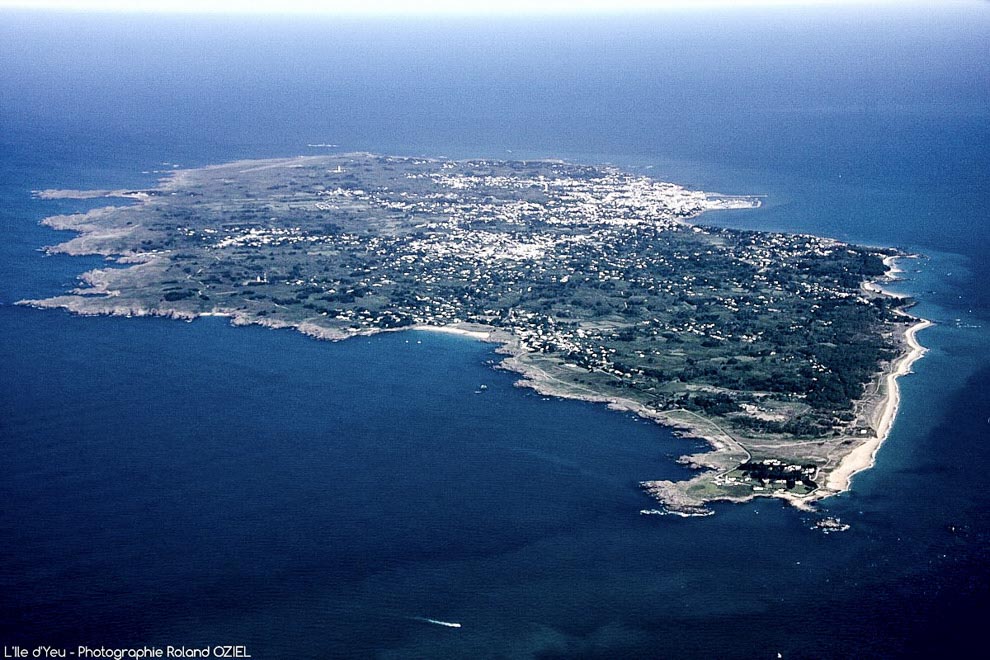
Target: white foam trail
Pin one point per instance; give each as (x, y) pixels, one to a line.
(436, 622)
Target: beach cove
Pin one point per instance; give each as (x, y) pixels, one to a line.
(195, 484)
(208, 265)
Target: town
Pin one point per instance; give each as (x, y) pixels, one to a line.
(601, 278)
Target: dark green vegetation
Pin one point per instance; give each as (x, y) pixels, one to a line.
(773, 470)
(594, 271)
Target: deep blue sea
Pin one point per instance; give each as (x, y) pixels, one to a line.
(196, 484)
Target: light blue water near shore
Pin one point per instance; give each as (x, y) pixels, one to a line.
(174, 483)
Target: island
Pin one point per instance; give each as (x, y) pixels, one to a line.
(781, 351)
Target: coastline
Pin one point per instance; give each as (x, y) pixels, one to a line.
(681, 497)
(724, 455)
(877, 410)
(864, 456)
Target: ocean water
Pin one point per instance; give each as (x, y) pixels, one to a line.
(195, 484)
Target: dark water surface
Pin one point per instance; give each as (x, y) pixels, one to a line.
(194, 484)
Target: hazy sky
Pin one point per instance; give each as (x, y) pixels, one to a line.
(425, 6)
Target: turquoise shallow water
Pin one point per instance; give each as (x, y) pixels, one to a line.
(190, 483)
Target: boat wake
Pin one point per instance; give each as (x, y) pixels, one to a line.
(436, 622)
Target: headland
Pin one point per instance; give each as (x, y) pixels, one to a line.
(781, 351)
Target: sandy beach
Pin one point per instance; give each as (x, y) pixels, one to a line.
(475, 332)
(728, 450)
(864, 456)
(725, 454)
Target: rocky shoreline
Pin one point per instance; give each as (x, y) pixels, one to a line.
(538, 372)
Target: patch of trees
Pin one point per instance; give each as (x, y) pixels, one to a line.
(712, 404)
(172, 296)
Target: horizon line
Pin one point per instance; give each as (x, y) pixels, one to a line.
(435, 8)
